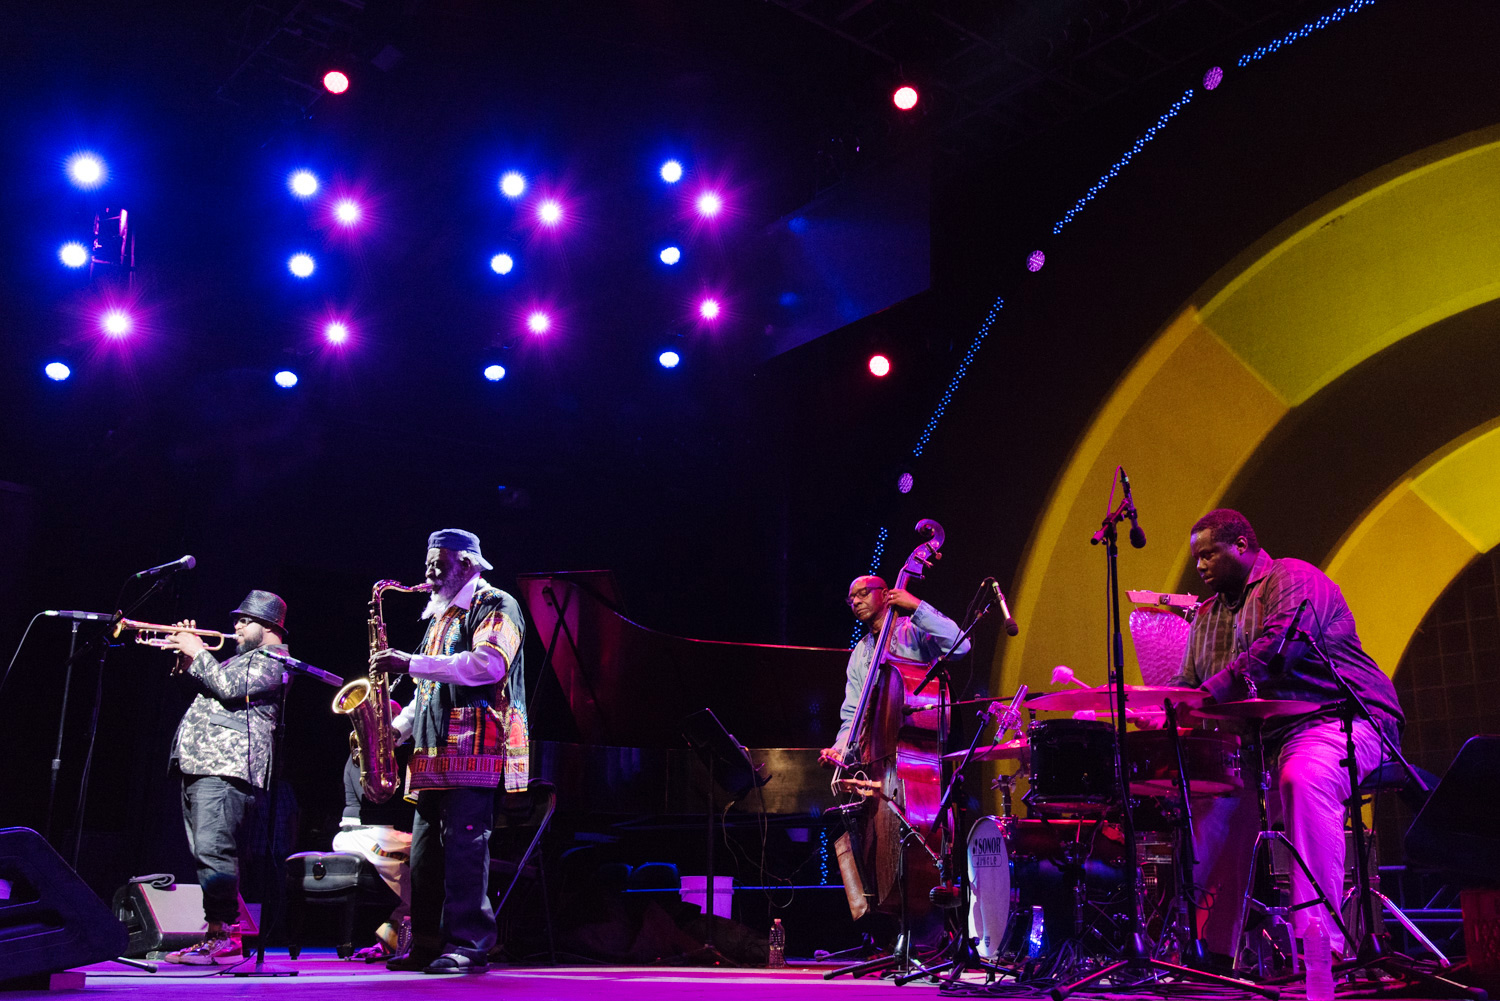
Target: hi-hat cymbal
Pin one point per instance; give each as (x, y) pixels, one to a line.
(1261, 709)
(1102, 699)
(1015, 749)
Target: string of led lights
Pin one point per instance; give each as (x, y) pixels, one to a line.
(874, 569)
(1211, 81)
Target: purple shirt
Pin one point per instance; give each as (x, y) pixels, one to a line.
(1230, 642)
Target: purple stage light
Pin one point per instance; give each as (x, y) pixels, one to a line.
(1213, 78)
(85, 170)
(502, 264)
(669, 359)
(538, 322)
(513, 184)
(549, 212)
(880, 366)
(335, 82)
(304, 183)
(73, 255)
(336, 332)
(671, 172)
(670, 255)
(905, 482)
(1035, 260)
(286, 378)
(116, 322)
(347, 211)
(905, 98)
(710, 204)
(709, 309)
(494, 373)
(57, 371)
(301, 265)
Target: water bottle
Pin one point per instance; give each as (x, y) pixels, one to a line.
(1036, 941)
(1318, 954)
(778, 946)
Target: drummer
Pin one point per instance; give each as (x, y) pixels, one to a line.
(1233, 645)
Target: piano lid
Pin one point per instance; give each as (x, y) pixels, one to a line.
(630, 686)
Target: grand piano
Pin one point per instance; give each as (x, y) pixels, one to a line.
(618, 694)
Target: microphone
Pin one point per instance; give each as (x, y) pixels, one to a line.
(186, 563)
(1010, 717)
(1011, 628)
(326, 677)
(1276, 666)
(1137, 537)
(80, 616)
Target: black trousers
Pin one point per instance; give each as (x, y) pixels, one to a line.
(213, 808)
(450, 871)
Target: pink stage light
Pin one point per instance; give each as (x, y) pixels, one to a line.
(710, 204)
(116, 323)
(549, 212)
(709, 309)
(905, 98)
(335, 82)
(336, 332)
(538, 322)
(347, 211)
(880, 366)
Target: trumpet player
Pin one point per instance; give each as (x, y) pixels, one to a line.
(222, 751)
(469, 721)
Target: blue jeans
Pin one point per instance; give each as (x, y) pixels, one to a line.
(450, 871)
(213, 807)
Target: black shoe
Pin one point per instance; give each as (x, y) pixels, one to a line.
(410, 962)
(456, 962)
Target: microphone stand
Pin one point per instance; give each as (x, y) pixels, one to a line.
(1371, 954)
(1138, 964)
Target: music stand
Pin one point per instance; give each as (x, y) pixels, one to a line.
(730, 768)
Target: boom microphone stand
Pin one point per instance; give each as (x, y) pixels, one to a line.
(1137, 964)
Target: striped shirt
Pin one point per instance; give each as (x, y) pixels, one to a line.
(1235, 639)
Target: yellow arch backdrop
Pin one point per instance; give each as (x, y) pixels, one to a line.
(1386, 256)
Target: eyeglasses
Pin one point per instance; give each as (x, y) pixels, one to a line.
(863, 592)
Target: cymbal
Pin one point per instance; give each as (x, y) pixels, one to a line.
(1102, 699)
(1261, 709)
(1015, 749)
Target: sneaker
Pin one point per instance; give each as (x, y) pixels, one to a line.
(456, 962)
(225, 945)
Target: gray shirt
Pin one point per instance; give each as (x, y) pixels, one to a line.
(925, 635)
(227, 730)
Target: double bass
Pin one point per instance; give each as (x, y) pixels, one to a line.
(893, 764)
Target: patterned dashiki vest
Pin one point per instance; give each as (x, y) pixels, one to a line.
(473, 736)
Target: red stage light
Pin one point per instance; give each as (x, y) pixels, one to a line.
(905, 98)
(335, 82)
(880, 366)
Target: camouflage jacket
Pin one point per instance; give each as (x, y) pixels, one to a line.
(227, 730)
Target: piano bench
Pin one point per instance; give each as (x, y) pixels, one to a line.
(332, 879)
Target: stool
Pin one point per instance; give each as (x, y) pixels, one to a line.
(339, 879)
(1390, 776)
(532, 808)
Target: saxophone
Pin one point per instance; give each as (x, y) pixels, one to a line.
(367, 703)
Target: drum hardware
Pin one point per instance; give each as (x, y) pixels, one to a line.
(1016, 749)
(1102, 698)
(1136, 963)
(1276, 943)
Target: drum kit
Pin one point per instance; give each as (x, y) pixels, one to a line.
(1051, 888)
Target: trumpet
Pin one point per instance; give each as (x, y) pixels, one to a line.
(151, 634)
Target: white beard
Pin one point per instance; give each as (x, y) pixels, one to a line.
(437, 604)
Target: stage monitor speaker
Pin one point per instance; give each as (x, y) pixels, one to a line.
(49, 919)
(1458, 830)
(163, 915)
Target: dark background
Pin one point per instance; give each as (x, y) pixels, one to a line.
(735, 496)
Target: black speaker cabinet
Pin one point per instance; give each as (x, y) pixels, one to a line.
(49, 919)
(1458, 830)
(162, 916)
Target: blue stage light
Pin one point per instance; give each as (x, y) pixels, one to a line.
(502, 264)
(671, 172)
(513, 184)
(670, 255)
(57, 371)
(304, 184)
(286, 378)
(74, 255)
(669, 359)
(494, 373)
(301, 265)
(85, 170)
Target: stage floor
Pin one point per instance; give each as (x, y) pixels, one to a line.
(322, 976)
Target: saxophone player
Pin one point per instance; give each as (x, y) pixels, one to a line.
(468, 718)
(222, 751)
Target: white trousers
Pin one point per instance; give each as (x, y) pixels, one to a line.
(1308, 800)
(396, 872)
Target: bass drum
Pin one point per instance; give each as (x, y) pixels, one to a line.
(1073, 870)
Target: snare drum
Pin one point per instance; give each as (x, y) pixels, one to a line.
(1071, 869)
(1072, 767)
(1212, 759)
